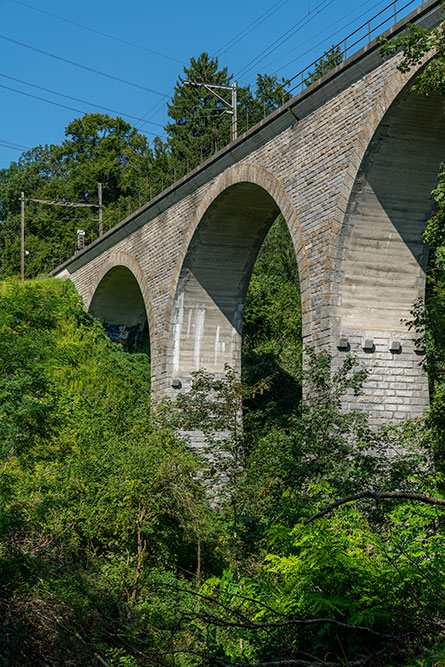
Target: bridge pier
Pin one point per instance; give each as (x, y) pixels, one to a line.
(350, 162)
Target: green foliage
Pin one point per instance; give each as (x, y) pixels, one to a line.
(430, 319)
(102, 510)
(328, 62)
(199, 118)
(337, 586)
(416, 43)
(341, 588)
(272, 348)
(97, 149)
(92, 497)
(201, 123)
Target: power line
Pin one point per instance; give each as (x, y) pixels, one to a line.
(76, 99)
(99, 32)
(323, 31)
(57, 104)
(14, 144)
(248, 29)
(155, 108)
(283, 38)
(85, 67)
(9, 147)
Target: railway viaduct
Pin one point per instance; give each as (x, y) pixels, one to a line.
(350, 162)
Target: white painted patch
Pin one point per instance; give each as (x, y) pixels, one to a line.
(177, 333)
(218, 329)
(199, 334)
(189, 323)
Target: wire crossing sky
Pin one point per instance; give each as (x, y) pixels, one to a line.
(60, 60)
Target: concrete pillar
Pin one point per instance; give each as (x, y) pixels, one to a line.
(206, 323)
(382, 259)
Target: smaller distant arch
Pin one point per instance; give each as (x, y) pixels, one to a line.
(119, 297)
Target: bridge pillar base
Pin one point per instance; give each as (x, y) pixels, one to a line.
(397, 385)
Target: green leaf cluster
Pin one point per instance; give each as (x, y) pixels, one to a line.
(93, 498)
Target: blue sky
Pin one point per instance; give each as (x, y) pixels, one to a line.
(273, 36)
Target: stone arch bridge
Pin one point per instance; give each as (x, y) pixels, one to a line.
(350, 163)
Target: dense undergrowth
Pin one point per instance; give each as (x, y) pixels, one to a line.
(112, 554)
(89, 490)
(115, 549)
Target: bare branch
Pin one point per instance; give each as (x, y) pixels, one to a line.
(297, 663)
(271, 625)
(378, 495)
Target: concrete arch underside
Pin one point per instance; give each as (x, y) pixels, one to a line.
(216, 261)
(381, 259)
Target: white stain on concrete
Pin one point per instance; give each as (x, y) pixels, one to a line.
(388, 244)
(220, 349)
(199, 335)
(218, 328)
(177, 332)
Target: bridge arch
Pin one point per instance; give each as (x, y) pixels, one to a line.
(381, 259)
(215, 263)
(119, 294)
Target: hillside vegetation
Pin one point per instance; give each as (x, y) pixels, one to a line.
(306, 539)
(111, 552)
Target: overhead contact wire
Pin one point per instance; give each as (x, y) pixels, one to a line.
(258, 21)
(84, 67)
(272, 62)
(98, 32)
(283, 38)
(76, 99)
(57, 104)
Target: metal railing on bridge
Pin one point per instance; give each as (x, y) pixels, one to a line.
(352, 43)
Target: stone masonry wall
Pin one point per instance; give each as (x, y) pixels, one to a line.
(312, 169)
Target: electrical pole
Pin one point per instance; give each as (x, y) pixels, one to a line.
(234, 110)
(99, 192)
(22, 236)
(231, 105)
(56, 202)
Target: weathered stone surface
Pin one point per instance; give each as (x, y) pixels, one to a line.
(352, 179)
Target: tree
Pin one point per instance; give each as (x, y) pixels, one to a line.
(272, 347)
(97, 148)
(201, 123)
(328, 62)
(269, 94)
(199, 118)
(95, 503)
(299, 583)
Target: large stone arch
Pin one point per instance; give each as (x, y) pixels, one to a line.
(380, 259)
(213, 271)
(126, 285)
